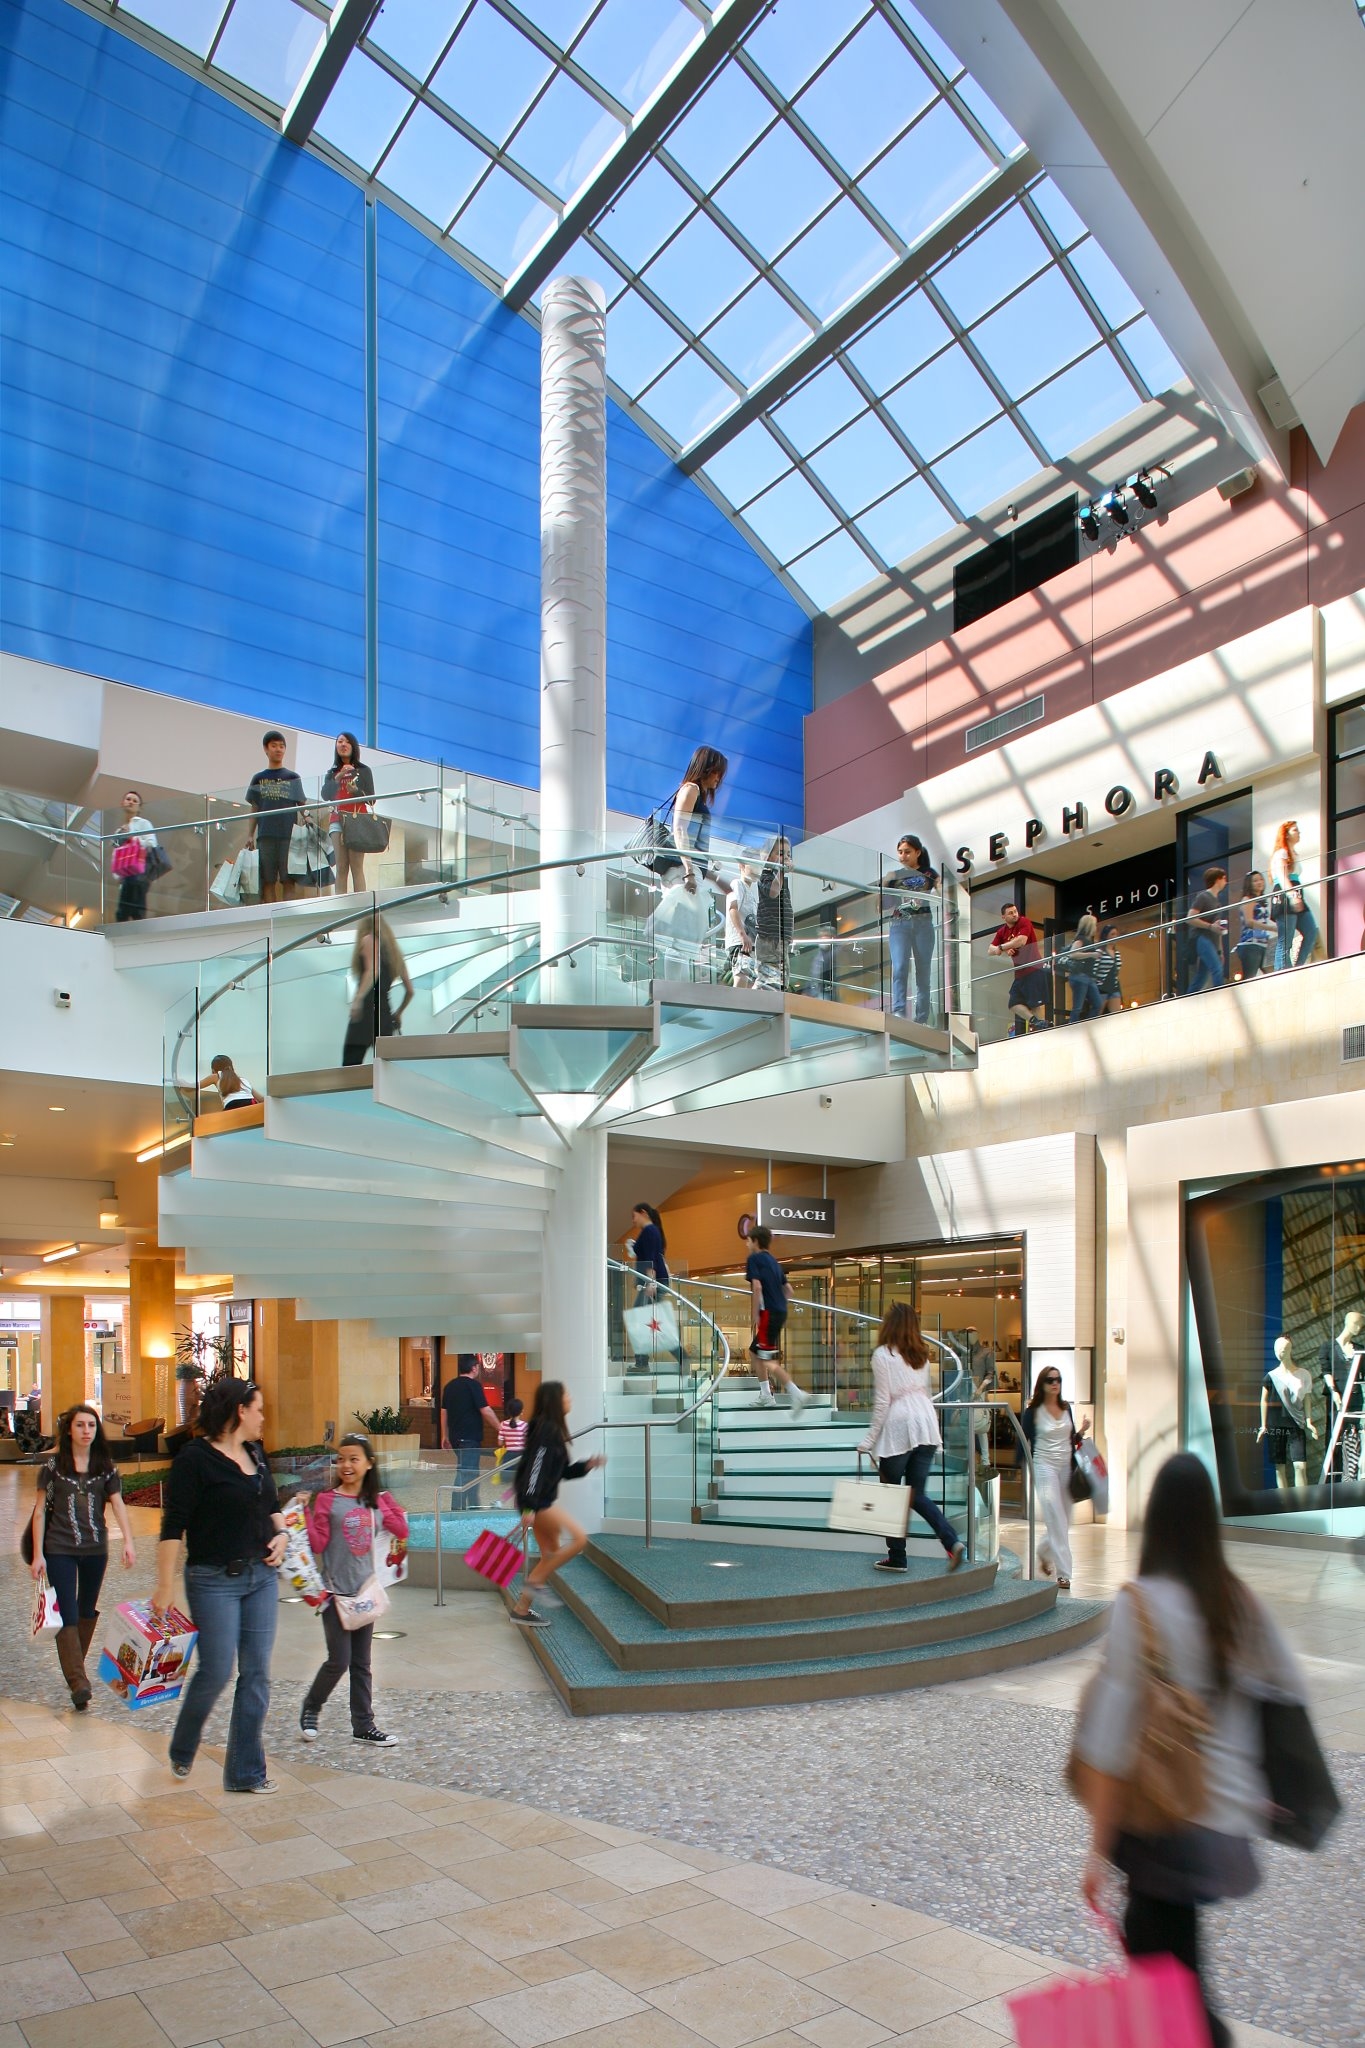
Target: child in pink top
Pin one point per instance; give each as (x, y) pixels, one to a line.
(512, 1430)
(343, 1522)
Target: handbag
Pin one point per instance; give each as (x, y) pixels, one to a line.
(653, 847)
(493, 1557)
(1304, 1801)
(652, 1326)
(363, 832)
(1152, 2003)
(1078, 1482)
(128, 862)
(359, 1610)
(158, 862)
(1164, 1788)
(867, 1508)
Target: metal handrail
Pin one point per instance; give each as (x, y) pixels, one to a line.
(828, 1308)
(529, 967)
(1000, 1408)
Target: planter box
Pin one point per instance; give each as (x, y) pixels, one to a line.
(397, 1450)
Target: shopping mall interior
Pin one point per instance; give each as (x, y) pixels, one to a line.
(620, 755)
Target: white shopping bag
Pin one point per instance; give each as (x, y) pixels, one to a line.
(225, 885)
(1091, 1461)
(652, 1327)
(248, 872)
(46, 1613)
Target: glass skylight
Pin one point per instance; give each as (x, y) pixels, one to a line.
(819, 154)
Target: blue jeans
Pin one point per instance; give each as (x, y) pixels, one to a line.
(1207, 971)
(911, 1468)
(467, 1469)
(1086, 1000)
(236, 1620)
(1301, 921)
(912, 938)
(76, 1581)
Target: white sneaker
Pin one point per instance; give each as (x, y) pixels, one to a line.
(765, 1400)
(797, 1398)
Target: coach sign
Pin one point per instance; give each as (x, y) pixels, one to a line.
(797, 1215)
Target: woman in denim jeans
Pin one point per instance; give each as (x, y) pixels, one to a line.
(910, 929)
(1288, 904)
(221, 1500)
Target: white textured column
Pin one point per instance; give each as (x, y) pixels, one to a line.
(573, 816)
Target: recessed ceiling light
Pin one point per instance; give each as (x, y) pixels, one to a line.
(57, 1108)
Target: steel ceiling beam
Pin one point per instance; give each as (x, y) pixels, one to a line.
(729, 24)
(349, 21)
(979, 206)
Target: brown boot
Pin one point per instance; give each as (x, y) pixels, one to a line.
(87, 1625)
(73, 1667)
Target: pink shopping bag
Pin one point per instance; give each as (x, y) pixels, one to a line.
(493, 1557)
(1152, 2003)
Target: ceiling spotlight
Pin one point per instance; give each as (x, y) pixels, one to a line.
(1143, 491)
(1116, 508)
(1090, 523)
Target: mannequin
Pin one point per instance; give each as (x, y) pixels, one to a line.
(1285, 1416)
(1341, 1363)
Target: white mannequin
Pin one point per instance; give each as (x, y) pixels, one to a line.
(1293, 1384)
(1342, 1361)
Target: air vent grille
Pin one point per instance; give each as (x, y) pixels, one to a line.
(1000, 728)
(1353, 1042)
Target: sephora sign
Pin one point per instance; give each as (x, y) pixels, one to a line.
(797, 1215)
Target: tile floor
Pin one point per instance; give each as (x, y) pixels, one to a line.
(359, 1909)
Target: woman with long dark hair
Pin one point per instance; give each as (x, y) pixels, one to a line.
(220, 1500)
(691, 822)
(346, 785)
(1053, 1434)
(76, 1486)
(647, 1248)
(910, 929)
(545, 1465)
(376, 964)
(1218, 1643)
(903, 1435)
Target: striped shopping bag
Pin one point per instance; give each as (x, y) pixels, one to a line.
(493, 1557)
(1153, 2003)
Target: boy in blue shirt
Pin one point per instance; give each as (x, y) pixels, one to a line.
(771, 1295)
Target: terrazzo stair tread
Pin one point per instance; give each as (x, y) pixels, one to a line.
(699, 1584)
(635, 1641)
(588, 1682)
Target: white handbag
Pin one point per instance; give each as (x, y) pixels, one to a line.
(864, 1507)
(358, 1610)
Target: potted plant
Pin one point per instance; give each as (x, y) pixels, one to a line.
(401, 1442)
(198, 1358)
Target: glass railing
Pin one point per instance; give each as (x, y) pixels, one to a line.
(1182, 947)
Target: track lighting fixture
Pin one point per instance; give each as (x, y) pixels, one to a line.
(1090, 523)
(1143, 490)
(1116, 506)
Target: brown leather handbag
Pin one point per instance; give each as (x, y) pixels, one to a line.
(1164, 1790)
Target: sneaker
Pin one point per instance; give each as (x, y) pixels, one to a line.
(180, 1770)
(885, 1564)
(763, 1401)
(1063, 1585)
(308, 1726)
(265, 1788)
(530, 1619)
(797, 1398)
(377, 1738)
(956, 1555)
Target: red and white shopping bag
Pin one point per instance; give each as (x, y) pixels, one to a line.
(46, 1613)
(493, 1557)
(1152, 2003)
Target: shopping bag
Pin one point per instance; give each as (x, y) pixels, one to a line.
(1153, 2003)
(1091, 1462)
(129, 859)
(300, 1567)
(390, 1558)
(493, 1557)
(46, 1613)
(248, 872)
(224, 885)
(652, 1327)
(145, 1660)
(362, 1609)
(867, 1508)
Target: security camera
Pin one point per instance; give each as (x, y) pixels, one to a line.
(62, 998)
(826, 1102)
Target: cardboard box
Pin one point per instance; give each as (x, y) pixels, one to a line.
(146, 1661)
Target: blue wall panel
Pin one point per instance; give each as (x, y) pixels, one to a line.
(183, 454)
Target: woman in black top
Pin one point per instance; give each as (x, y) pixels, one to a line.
(691, 821)
(647, 1248)
(545, 1464)
(345, 786)
(221, 1499)
(69, 1540)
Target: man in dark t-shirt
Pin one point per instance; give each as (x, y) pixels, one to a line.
(274, 794)
(771, 1295)
(463, 1402)
(1207, 928)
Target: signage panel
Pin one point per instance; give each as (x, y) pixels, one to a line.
(797, 1215)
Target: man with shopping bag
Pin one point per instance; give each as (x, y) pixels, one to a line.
(275, 793)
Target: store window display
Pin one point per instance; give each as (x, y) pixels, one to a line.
(1342, 1359)
(1286, 1426)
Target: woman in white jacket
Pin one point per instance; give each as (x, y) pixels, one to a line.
(903, 1435)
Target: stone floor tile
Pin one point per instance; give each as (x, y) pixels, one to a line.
(447, 1847)
(462, 2029)
(451, 1977)
(48, 1929)
(801, 1958)
(954, 2030)
(119, 2023)
(515, 1872)
(352, 1882)
(420, 1937)
(216, 2007)
(530, 2018)
(517, 1926)
(10, 2036)
(544, 1965)
(724, 1933)
(639, 1957)
(291, 1954)
(888, 1993)
(384, 1817)
(279, 2034)
(17, 1823)
(842, 2030)
(880, 1917)
(104, 1955)
(262, 1908)
(640, 1868)
(155, 1971)
(329, 2010)
(651, 1904)
(138, 1899)
(101, 1877)
(431, 1899)
(45, 1984)
(761, 1890)
(257, 1865)
(23, 1890)
(517, 1827)
(831, 1930)
(86, 1824)
(189, 1923)
(992, 2018)
(965, 1963)
(739, 2003)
